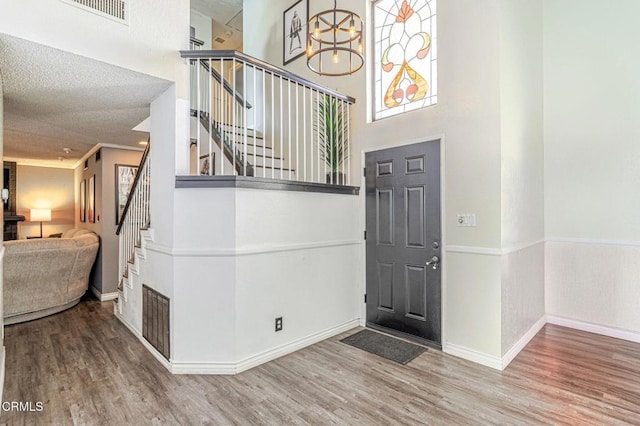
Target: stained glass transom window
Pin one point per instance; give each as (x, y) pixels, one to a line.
(405, 67)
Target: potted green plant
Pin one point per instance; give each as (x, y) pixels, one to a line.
(332, 132)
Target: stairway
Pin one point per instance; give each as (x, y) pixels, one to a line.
(130, 286)
(258, 156)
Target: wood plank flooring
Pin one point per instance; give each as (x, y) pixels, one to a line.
(88, 369)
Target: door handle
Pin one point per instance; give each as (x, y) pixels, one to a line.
(434, 262)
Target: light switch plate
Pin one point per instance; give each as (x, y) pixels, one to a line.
(466, 219)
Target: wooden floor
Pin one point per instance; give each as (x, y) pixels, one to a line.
(88, 369)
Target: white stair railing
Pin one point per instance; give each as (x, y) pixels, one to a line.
(254, 119)
(136, 215)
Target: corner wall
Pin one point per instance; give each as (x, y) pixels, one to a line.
(592, 104)
(522, 182)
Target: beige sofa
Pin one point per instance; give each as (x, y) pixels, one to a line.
(48, 275)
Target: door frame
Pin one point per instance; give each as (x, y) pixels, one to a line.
(443, 217)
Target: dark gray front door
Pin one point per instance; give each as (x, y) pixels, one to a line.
(403, 235)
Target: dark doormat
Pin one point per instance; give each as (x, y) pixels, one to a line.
(382, 345)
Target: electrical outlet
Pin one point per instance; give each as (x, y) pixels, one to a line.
(279, 324)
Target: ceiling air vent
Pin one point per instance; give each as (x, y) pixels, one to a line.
(220, 40)
(114, 9)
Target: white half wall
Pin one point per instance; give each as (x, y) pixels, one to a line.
(594, 282)
(523, 297)
(243, 257)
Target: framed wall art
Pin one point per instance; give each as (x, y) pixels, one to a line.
(83, 200)
(208, 164)
(294, 32)
(125, 176)
(91, 199)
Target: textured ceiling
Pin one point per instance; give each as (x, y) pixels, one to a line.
(55, 100)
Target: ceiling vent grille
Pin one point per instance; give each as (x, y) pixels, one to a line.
(115, 9)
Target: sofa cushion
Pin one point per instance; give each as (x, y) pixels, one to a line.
(75, 232)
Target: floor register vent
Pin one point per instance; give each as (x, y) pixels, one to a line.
(111, 8)
(155, 320)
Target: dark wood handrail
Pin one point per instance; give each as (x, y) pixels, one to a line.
(145, 154)
(230, 54)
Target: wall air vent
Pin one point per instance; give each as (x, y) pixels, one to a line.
(114, 9)
(155, 320)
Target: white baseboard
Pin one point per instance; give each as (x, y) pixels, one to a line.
(296, 345)
(522, 342)
(473, 355)
(230, 368)
(2, 360)
(618, 333)
(104, 297)
(162, 360)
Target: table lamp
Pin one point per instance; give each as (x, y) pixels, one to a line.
(40, 215)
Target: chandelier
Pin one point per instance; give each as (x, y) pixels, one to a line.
(335, 42)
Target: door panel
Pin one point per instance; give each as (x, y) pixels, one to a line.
(414, 214)
(403, 224)
(385, 285)
(385, 218)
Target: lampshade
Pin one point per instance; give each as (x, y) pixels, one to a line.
(335, 42)
(40, 215)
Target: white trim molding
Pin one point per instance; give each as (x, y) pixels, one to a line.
(162, 360)
(620, 243)
(618, 333)
(491, 251)
(278, 351)
(247, 251)
(522, 342)
(104, 297)
(232, 368)
(473, 356)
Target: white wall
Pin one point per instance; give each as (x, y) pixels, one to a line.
(253, 256)
(301, 261)
(468, 115)
(203, 27)
(157, 30)
(45, 187)
(522, 150)
(592, 101)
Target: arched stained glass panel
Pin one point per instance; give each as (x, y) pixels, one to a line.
(405, 67)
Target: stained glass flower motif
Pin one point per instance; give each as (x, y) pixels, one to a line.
(405, 56)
